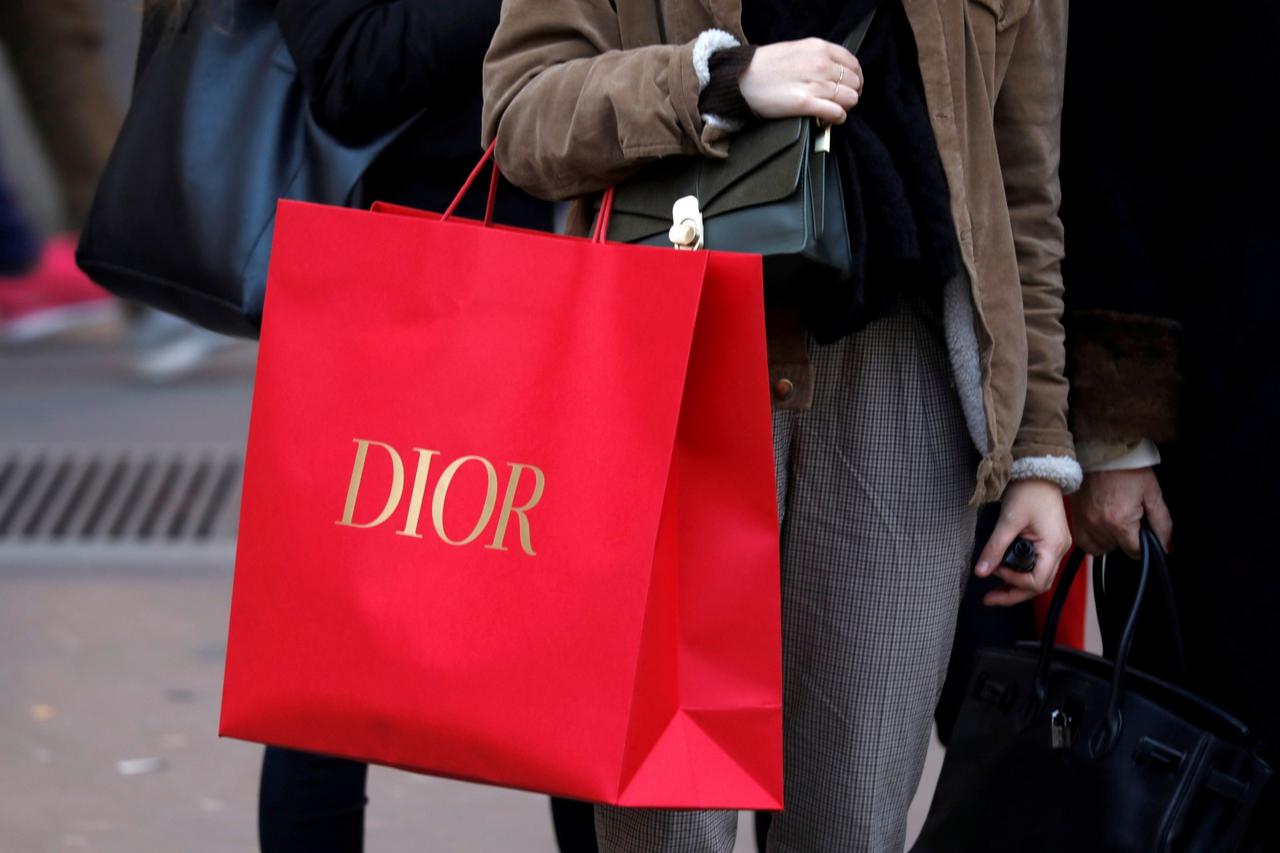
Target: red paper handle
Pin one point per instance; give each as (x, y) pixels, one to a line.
(471, 179)
(598, 234)
(601, 230)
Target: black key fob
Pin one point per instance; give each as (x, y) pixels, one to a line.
(1021, 556)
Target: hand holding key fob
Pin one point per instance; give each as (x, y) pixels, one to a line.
(1021, 556)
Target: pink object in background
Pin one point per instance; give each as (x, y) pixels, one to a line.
(54, 297)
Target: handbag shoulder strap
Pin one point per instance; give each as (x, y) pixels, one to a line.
(852, 44)
(859, 34)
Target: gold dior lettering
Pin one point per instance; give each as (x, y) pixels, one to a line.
(440, 495)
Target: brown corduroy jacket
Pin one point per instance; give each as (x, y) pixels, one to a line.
(582, 93)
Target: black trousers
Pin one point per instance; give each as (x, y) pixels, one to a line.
(19, 243)
(315, 804)
(311, 803)
(979, 627)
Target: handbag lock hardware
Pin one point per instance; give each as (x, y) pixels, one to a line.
(686, 228)
(1059, 730)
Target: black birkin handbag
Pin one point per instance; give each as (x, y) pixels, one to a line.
(778, 194)
(1056, 750)
(218, 131)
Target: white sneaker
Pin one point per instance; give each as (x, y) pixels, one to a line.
(169, 348)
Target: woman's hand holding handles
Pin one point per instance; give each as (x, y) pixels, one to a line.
(1033, 510)
(810, 77)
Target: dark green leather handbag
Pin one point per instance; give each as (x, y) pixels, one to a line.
(778, 194)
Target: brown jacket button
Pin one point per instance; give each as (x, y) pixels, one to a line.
(783, 390)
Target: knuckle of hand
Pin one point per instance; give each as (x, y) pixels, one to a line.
(1117, 520)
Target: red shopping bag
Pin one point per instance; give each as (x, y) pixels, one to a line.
(509, 513)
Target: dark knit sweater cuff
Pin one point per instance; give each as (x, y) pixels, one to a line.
(722, 98)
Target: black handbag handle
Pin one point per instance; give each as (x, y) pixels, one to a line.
(853, 42)
(1153, 560)
(490, 154)
(1040, 689)
(1160, 570)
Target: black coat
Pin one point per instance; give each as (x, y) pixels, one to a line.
(1171, 184)
(369, 65)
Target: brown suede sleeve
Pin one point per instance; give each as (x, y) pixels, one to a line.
(1028, 117)
(1125, 382)
(573, 112)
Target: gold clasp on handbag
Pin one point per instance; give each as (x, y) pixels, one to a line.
(686, 223)
(822, 144)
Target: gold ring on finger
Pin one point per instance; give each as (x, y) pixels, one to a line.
(839, 80)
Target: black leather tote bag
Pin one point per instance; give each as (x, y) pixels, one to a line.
(218, 131)
(1056, 750)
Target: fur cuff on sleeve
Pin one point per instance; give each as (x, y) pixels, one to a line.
(1062, 470)
(707, 43)
(1124, 376)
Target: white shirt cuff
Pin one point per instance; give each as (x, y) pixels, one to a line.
(1103, 456)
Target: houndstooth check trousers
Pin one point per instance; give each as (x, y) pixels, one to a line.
(873, 485)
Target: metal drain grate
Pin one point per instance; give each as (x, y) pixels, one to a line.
(108, 497)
